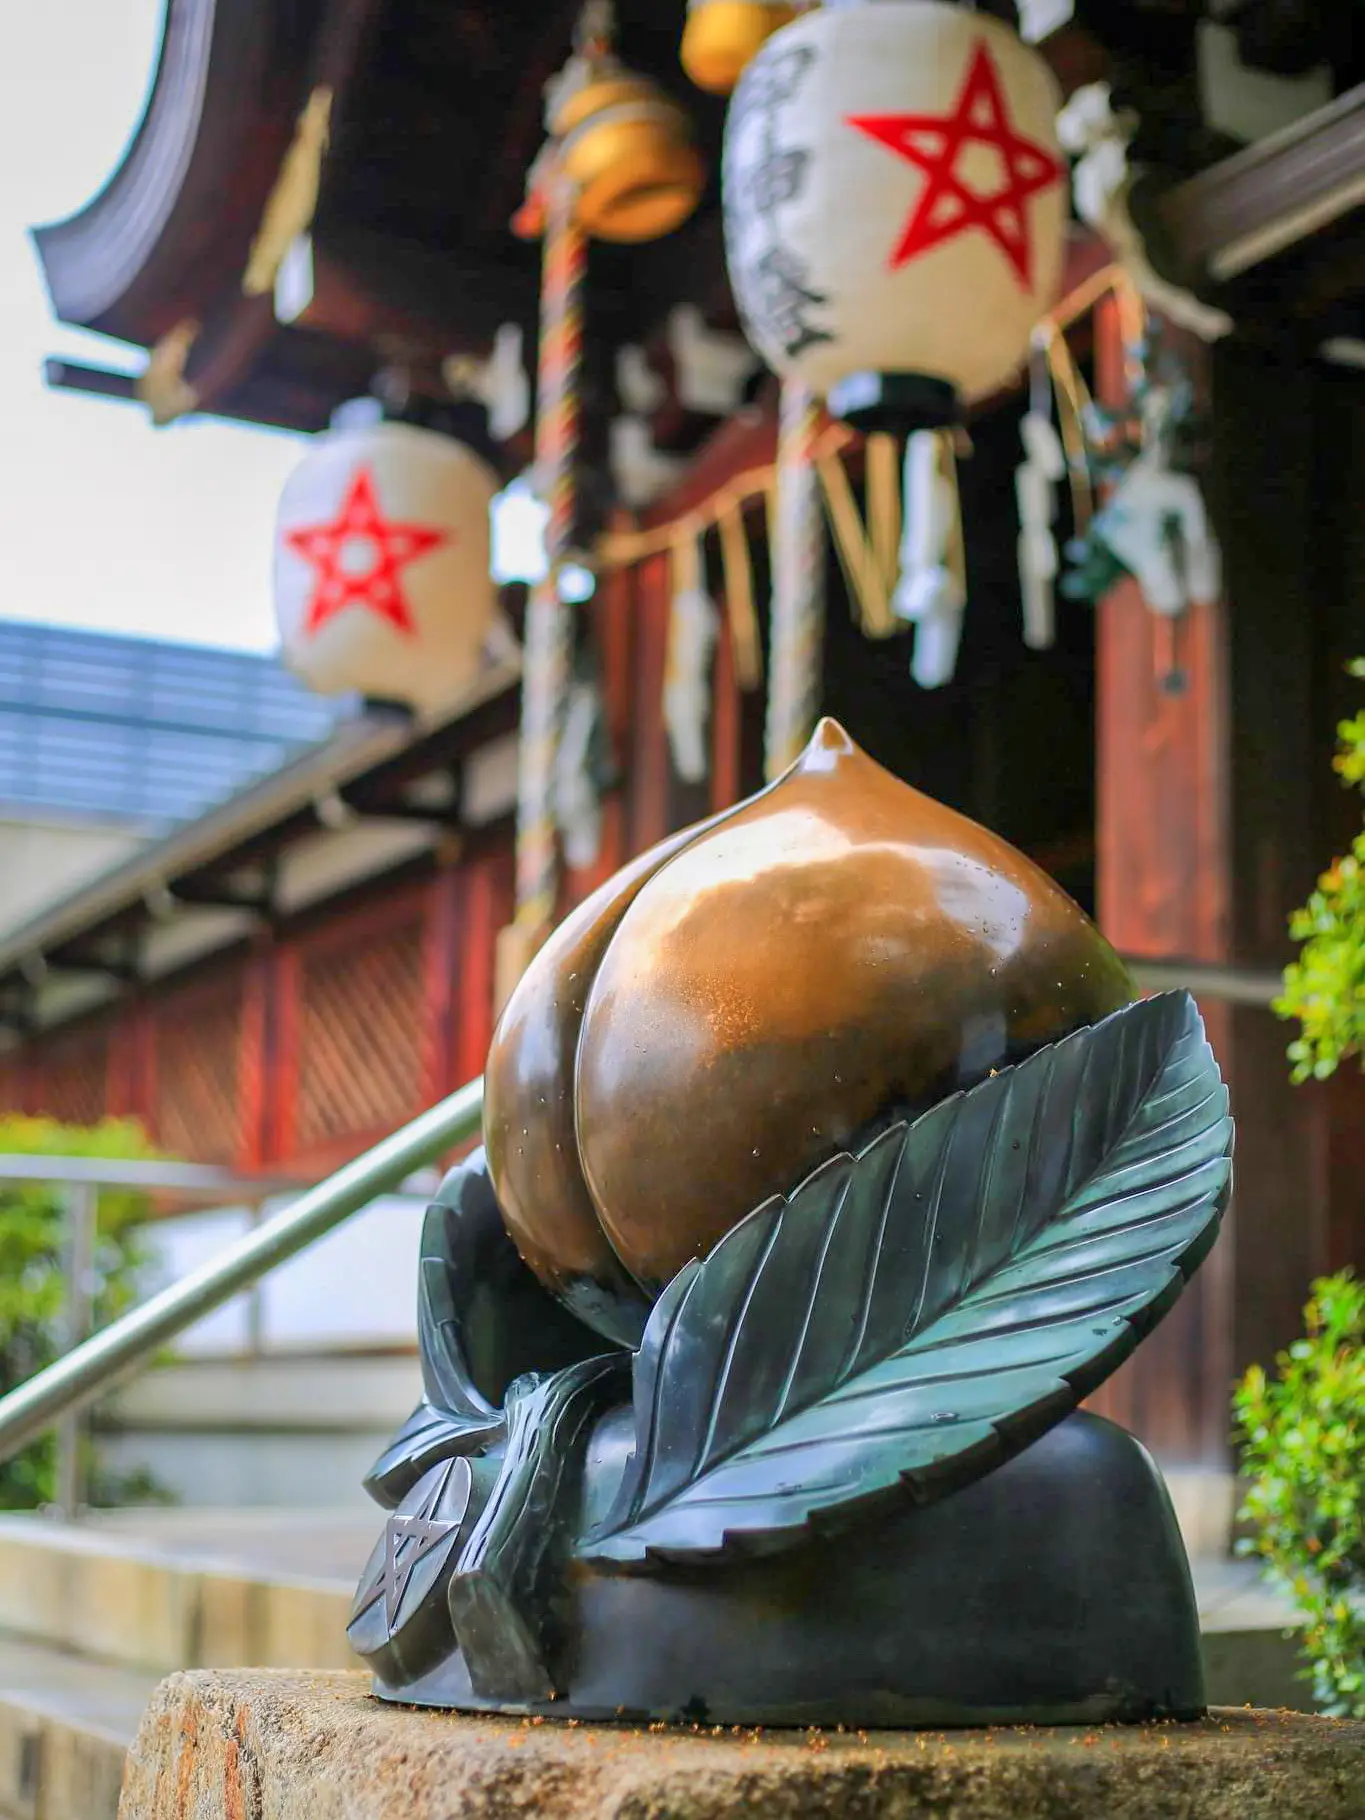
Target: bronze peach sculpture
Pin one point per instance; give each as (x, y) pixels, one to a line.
(746, 998)
(829, 1166)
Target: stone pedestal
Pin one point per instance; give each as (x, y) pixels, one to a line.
(262, 1745)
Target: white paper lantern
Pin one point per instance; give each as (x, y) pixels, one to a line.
(895, 204)
(382, 557)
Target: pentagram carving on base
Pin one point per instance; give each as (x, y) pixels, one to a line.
(770, 1412)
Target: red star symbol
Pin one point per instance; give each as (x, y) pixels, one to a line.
(358, 555)
(947, 206)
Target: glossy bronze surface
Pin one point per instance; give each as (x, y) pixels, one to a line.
(839, 946)
(529, 1108)
(528, 1114)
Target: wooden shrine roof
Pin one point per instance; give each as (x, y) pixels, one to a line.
(436, 117)
(383, 792)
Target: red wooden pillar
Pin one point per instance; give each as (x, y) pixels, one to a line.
(282, 1053)
(253, 1060)
(486, 907)
(1163, 889)
(130, 1066)
(440, 982)
(649, 818)
(613, 624)
(1211, 830)
(726, 729)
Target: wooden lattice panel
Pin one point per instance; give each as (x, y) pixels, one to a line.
(70, 1078)
(360, 1020)
(198, 1036)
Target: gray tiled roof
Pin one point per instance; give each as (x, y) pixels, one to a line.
(142, 732)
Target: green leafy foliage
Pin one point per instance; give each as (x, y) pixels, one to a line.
(31, 1282)
(1324, 989)
(1302, 1435)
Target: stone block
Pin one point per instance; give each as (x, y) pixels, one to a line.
(53, 1769)
(318, 1747)
(94, 1594)
(21, 1761)
(304, 1624)
(125, 1608)
(82, 1772)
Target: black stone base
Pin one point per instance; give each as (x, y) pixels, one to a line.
(1055, 1590)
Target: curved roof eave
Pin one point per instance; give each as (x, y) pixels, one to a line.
(166, 235)
(355, 748)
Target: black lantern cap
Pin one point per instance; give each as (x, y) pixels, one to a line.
(894, 402)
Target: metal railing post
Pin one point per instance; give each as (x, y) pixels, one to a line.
(80, 1210)
(255, 1301)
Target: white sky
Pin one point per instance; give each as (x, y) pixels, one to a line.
(105, 522)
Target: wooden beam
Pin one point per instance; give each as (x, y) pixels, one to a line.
(370, 288)
(1260, 202)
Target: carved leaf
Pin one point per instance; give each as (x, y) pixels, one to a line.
(911, 1316)
(482, 1321)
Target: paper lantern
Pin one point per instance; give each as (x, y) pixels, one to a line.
(895, 206)
(382, 556)
(722, 36)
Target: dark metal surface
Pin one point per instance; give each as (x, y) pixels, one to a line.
(824, 1454)
(506, 1596)
(400, 1618)
(483, 1321)
(1053, 1591)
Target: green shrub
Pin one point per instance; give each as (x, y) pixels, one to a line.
(1303, 1445)
(32, 1288)
(1325, 988)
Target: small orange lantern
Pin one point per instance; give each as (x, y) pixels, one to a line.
(722, 36)
(627, 150)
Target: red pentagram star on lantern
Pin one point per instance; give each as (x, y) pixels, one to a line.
(357, 556)
(947, 204)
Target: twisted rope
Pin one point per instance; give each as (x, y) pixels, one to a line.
(798, 601)
(548, 655)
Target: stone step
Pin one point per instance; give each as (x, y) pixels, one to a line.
(280, 1430)
(65, 1727)
(178, 1591)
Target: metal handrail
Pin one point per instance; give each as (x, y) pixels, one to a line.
(1212, 980)
(190, 1181)
(96, 1364)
